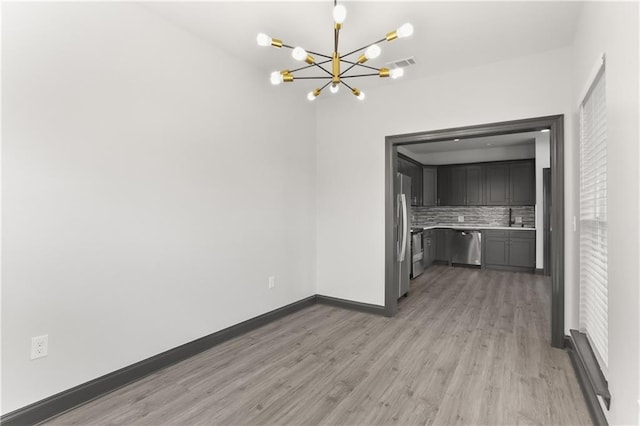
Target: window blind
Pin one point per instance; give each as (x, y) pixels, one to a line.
(593, 218)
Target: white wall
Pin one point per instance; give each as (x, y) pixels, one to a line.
(149, 189)
(351, 156)
(543, 160)
(612, 28)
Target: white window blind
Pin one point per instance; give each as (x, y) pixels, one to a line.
(593, 218)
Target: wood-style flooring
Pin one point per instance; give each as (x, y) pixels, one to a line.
(468, 347)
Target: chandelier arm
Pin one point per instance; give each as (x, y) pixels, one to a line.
(319, 54)
(311, 78)
(323, 69)
(361, 65)
(362, 48)
(348, 69)
(349, 87)
(361, 75)
(310, 66)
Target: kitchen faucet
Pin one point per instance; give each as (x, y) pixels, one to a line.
(511, 222)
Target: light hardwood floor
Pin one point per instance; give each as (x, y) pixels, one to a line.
(467, 347)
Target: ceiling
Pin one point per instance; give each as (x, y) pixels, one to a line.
(474, 143)
(487, 148)
(448, 35)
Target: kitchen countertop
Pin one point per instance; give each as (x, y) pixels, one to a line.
(476, 227)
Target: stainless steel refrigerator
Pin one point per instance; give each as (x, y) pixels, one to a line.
(403, 236)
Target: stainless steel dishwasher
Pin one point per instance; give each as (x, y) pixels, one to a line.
(466, 247)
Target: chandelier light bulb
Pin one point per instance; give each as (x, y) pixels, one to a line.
(334, 88)
(361, 96)
(299, 54)
(339, 14)
(405, 31)
(263, 40)
(372, 51)
(396, 72)
(276, 78)
(311, 96)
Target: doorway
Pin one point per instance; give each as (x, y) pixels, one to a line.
(555, 124)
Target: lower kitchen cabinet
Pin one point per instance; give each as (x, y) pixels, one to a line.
(443, 245)
(429, 247)
(509, 250)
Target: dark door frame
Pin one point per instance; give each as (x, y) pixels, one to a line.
(555, 123)
(547, 208)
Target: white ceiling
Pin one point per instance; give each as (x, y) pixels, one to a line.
(488, 148)
(474, 143)
(448, 35)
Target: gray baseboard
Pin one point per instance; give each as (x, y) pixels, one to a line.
(86, 392)
(585, 379)
(348, 304)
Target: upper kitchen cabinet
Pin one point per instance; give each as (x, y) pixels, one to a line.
(497, 184)
(414, 171)
(474, 185)
(442, 196)
(429, 186)
(461, 185)
(522, 183)
(510, 183)
(456, 195)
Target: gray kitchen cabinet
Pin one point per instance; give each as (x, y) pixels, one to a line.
(495, 249)
(522, 249)
(457, 186)
(461, 185)
(429, 247)
(429, 186)
(510, 183)
(474, 185)
(416, 189)
(414, 171)
(509, 250)
(443, 245)
(443, 186)
(522, 183)
(497, 184)
(404, 166)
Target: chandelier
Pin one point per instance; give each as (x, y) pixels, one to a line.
(336, 76)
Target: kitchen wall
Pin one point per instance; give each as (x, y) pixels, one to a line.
(612, 28)
(530, 86)
(543, 160)
(147, 192)
(480, 216)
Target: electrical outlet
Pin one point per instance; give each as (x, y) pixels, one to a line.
(39, 346)
(460, 218)
(518, 219)
(272, 282)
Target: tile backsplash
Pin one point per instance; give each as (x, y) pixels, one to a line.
(478, 215)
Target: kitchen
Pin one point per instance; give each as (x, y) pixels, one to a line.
(475, 203)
